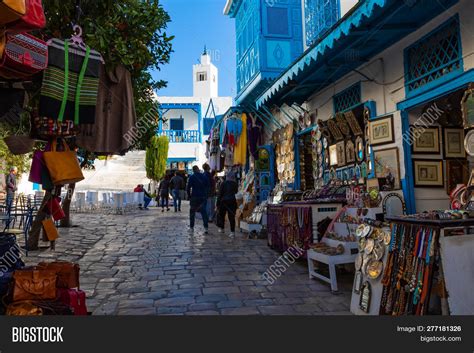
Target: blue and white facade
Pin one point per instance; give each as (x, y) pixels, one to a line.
(395, 57)
(188, 119)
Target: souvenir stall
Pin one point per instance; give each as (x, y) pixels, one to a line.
(235, 145)
(78, 103)
(428, 261)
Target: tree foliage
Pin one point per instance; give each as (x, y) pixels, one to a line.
(156, 157)
(127, 32)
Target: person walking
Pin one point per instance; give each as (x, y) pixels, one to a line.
(198, 189)
(176, 184)
(226, 203)
(164, 192)
(211, 196)
(11, 187)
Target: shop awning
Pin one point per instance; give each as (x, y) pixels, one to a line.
(368, 29)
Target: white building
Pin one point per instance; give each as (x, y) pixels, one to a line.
(188, 119)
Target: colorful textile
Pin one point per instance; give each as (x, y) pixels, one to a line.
(240, 151)
(56, 79)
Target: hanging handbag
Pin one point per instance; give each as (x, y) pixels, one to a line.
(36, 167)
(34, 284)
(23, 56)
(50, 229)
(46, 182)
(67, 272)
(33, 19)
(54, 209)
(11, 10)
(63, 167)
(19, 144)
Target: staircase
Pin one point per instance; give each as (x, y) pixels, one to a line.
(121, 173)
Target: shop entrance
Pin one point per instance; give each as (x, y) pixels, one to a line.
(435, 142)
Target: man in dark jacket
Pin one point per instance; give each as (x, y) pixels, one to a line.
(176, 185)
(11, 187)
(211, 203)
(227, 203)
(198, 189)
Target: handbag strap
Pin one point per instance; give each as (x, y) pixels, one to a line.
(80, 81)
(79, 85)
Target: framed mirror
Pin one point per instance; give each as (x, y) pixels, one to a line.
(359, 149)
(393, 205)
(365, 296)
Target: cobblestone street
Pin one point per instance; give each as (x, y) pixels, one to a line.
(146, 263)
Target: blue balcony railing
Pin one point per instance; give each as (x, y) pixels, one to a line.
(184, 136)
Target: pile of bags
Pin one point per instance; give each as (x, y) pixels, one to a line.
(46, 289)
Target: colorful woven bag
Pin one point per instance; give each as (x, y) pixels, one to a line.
(23, 56)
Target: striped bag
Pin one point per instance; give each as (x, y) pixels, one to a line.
(69, 90)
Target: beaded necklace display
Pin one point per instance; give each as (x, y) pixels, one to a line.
(406, 279)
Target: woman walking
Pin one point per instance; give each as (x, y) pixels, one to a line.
(226, 203)
(164, 192)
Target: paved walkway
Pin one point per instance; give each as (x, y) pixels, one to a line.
(146, 263)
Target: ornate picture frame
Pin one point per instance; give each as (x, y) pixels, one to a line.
(425, 140)
(381, 131)
(453, 139)
(428, 173)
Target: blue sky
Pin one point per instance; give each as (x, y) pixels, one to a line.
(196, 23)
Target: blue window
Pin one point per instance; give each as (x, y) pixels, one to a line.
(320, 15)
(277, 21)
(438, 55)
(348, 98)
(177, 124)
(207, 125)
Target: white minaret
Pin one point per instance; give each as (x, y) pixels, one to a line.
(205, 78)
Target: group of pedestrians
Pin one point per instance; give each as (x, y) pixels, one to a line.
(170, 185)
(202, 192)
(213, 201)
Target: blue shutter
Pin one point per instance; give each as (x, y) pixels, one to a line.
(438, 55)
(320, 15)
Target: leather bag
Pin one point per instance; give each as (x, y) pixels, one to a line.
(32, 20)
(11, 10)
(23, 308)
(63, 166)
(50, 229)
(22, 56)
(55, 209)
(75, 299)
(34, 284)
(67, 273)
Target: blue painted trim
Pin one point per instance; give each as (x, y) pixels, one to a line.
(160, 122)
(305, 131)
(444, 78)
(442, 89)
(192, 106)
(408, 186)
(200, 123)
(173, 160)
